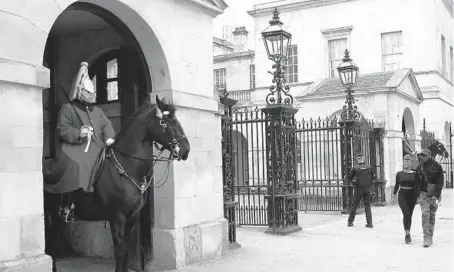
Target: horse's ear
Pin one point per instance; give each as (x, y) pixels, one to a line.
(160, 103)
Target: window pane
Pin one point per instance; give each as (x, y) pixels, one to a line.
(112, 69)
(112, 90)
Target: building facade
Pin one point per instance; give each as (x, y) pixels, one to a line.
(47, 41)
(406, 64)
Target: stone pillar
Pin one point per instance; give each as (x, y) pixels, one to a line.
(393, 159)
(21, 185)
(189, 214)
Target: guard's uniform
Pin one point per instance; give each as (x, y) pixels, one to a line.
(362, 178)
(431, 175)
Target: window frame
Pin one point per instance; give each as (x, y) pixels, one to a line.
(335, 74)
(443, 56)
(99, 69)
(293, 65)
(399, 54)
(215, 83)
(330, 34)
(252, 76)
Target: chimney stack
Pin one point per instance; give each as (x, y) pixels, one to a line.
(240, 39)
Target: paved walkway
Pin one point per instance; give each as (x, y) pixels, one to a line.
(327, 244)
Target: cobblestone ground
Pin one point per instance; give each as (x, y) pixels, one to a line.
(326, 244)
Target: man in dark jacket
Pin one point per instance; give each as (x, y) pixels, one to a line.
(431, 174)
(362, 178)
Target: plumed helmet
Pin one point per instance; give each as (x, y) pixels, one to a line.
(81, 81)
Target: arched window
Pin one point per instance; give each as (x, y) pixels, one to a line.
(104, 74)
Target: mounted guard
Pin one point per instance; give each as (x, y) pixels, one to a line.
(83, 130)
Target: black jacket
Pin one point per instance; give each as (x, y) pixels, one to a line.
(433, 175)
(362, 177)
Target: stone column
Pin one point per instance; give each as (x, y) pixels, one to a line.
(21, 182)
(393, 159)
(189, 212)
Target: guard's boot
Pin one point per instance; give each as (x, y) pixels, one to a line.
(350, 224)
(371, 226)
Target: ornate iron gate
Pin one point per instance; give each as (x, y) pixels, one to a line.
(228, 170)
(249, 162)
(326, 150)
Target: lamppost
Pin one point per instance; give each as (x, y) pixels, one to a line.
(281, 196)
(348, 73)
(277, 42)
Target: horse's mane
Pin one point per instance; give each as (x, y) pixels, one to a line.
(145, 109)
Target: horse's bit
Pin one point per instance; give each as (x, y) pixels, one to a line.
(148, 179)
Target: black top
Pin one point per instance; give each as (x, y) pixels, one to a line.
(404, 179)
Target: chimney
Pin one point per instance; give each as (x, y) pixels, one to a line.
(240, 39)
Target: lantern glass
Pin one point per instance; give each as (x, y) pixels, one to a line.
(276, 39)
(348, 72)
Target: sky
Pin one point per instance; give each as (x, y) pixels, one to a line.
(236, 15)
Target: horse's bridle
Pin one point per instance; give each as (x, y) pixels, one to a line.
(173, 147)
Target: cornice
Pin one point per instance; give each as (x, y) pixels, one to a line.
(212, 9)
(289, 5)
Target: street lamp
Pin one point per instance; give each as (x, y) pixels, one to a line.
(348, 73)
(277, 42)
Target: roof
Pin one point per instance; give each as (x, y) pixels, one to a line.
(333, 86)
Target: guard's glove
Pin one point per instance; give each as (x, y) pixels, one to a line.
(110, 142)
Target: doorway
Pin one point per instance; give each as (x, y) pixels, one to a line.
(85, 32)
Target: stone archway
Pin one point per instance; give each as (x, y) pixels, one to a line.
(88, 32)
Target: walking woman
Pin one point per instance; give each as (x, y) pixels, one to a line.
(408, 183)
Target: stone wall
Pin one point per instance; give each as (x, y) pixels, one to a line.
(21, 189)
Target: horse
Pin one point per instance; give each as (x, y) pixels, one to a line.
(438, 149)
(124, 175)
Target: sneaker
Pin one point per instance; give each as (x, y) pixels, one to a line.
(407, 238)
(350, 224)
(369, 226)
(426, 242)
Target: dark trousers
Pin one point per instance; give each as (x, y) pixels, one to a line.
(407, 202)
(364, 194)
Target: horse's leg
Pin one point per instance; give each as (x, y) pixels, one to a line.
(130, 226)
(117, 227)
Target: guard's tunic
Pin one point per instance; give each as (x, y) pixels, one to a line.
(73, 167)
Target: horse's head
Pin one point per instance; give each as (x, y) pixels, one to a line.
(437, 148)
(166, 130)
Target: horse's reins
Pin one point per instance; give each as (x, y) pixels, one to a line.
(148, 178)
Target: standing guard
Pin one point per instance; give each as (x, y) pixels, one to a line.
(431, 175)
(362, 178)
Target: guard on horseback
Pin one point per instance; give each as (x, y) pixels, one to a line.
(83, 130)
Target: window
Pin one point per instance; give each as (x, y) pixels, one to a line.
(443, 56)
(336, 54)
(451, 68)
(104, 74)
(391, 44)
(252, 76)
(219, 80)
(291, 65)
